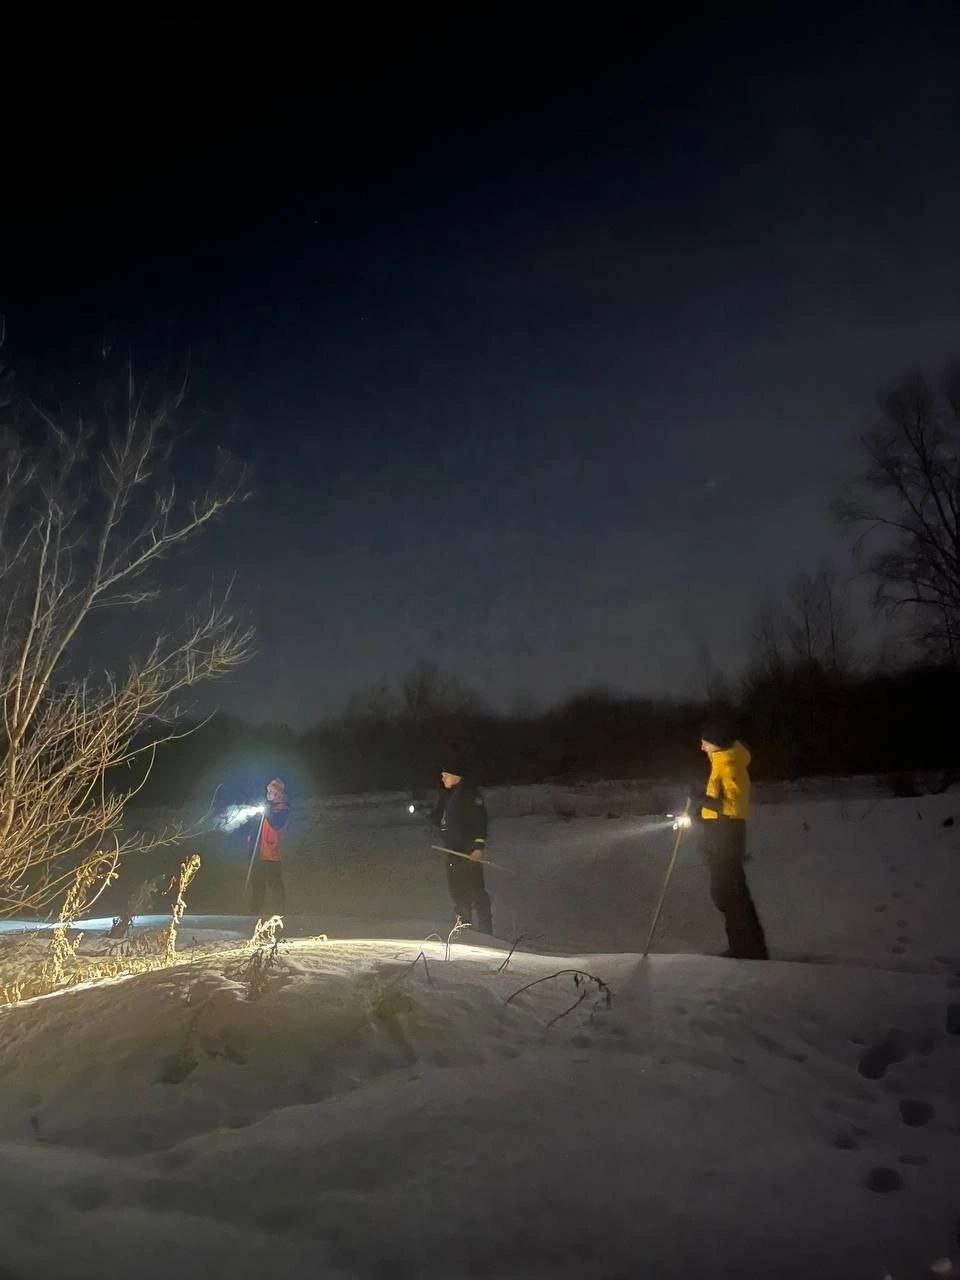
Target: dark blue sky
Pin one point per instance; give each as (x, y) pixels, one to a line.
(548, 346)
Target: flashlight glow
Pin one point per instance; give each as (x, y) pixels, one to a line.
(682, 821)
(411, 808)
(238, 814)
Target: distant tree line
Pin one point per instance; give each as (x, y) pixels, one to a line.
(800, 720)
(808, 702)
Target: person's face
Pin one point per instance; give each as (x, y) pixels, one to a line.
(450, 780)
(708, 747)
(274, 795)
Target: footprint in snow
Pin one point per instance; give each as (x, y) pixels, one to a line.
(915, 1112)
(845, 1142)
(883, 1053)
(176, 1069)
(953, 1018)
(883, 1180)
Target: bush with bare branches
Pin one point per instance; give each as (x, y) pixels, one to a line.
(87, 516)
(907, 505)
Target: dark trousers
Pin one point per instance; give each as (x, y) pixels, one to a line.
(468, 893)
(267, 879)
(725, 846)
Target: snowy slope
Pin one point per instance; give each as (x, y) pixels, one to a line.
(369, 1115)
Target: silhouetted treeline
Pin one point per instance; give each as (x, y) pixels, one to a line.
(802, 721)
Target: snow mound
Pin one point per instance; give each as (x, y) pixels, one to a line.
(366, 1108)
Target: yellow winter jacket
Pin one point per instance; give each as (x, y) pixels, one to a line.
(729, 783)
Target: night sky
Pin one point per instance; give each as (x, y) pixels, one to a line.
(547, 345)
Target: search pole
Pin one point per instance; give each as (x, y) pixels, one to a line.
(256, 850)
(681, 824)
(483, 862)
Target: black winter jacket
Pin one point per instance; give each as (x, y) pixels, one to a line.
(461, 816)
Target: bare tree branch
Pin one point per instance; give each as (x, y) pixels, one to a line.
(79, 525)
(907, 505)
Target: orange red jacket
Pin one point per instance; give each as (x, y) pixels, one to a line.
(272, 833)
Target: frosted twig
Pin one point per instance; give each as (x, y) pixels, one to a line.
(523, 937)
(580, 977)
(457, 928)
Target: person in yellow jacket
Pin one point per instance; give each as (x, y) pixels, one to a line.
(724, 810)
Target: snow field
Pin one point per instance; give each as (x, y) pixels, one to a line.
(369, 1115)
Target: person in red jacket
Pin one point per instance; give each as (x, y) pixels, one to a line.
(269, 835)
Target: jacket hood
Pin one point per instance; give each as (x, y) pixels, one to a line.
(736, 754)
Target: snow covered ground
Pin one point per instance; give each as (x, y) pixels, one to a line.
(356, 1111)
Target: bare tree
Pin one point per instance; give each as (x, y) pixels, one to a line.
(766, 643)
(429, 694)
(86, 517)
(907, 503)
(712, 684)
(376, 705)
(817, 624)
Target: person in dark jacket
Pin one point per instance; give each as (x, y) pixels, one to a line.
(461, 816)
(724, 809)
(269, 835)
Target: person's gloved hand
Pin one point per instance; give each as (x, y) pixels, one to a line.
(689, 814)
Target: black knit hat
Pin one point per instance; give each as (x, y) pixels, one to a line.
(720, 731)
(455, 758)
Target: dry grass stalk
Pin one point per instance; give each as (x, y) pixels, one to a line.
(265, 932)
(188, 870)
(63, 966)
(458, 928)
(63, 951)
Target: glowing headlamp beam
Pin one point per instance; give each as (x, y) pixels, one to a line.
(238, 814)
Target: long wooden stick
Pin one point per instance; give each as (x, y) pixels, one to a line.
(484, 862)
(666, 882)
(256, 850)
